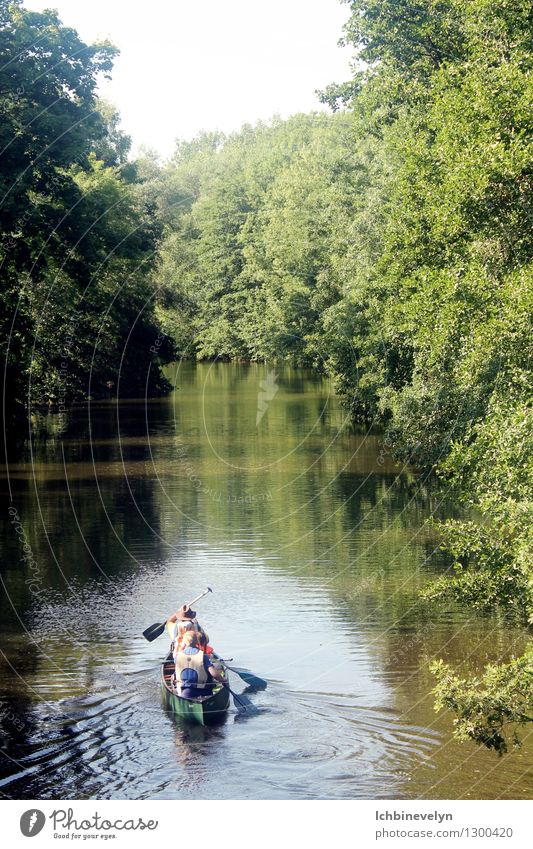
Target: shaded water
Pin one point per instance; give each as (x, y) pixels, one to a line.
(315, 543)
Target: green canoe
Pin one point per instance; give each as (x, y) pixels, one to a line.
(200, 711)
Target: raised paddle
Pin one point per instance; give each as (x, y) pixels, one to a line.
(157, 628)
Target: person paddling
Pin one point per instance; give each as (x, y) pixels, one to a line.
(194, 669)
(180, 623)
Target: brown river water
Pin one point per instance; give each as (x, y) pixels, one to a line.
(315, 543)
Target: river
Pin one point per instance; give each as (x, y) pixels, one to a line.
(315, 542)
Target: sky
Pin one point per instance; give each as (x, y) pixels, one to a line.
(188, 65)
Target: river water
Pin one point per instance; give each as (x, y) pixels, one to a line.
(315, 543)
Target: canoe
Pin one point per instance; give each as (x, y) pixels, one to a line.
(200, 711)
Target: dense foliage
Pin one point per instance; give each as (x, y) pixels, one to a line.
(77, 315)
(391, 244)
(388, 243)
(449, 88)
(247, 268)
(490, 706)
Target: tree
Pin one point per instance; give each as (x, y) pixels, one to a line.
(441, 322)
(72, 229)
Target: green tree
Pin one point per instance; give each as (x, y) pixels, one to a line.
(74, 233)
(441, 323)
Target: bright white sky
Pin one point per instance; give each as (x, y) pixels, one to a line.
(187, 65)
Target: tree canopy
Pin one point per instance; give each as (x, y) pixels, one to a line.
(77, 240)
(390, 244)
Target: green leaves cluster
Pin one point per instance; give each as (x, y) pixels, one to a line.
(392, 245)
(249, 254)
(492, 471)
(77, 313)
(447, 333)
(489, 707)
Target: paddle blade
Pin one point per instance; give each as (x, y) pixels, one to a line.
(154, 631)
(244, 707)
(249, 678)
(243, 704)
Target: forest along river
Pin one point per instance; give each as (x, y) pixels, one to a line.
(249, 480)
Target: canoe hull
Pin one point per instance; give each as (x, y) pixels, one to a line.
(201, 711)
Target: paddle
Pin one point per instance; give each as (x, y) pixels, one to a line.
(247, 676)
(243, 703)
(157, 628)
